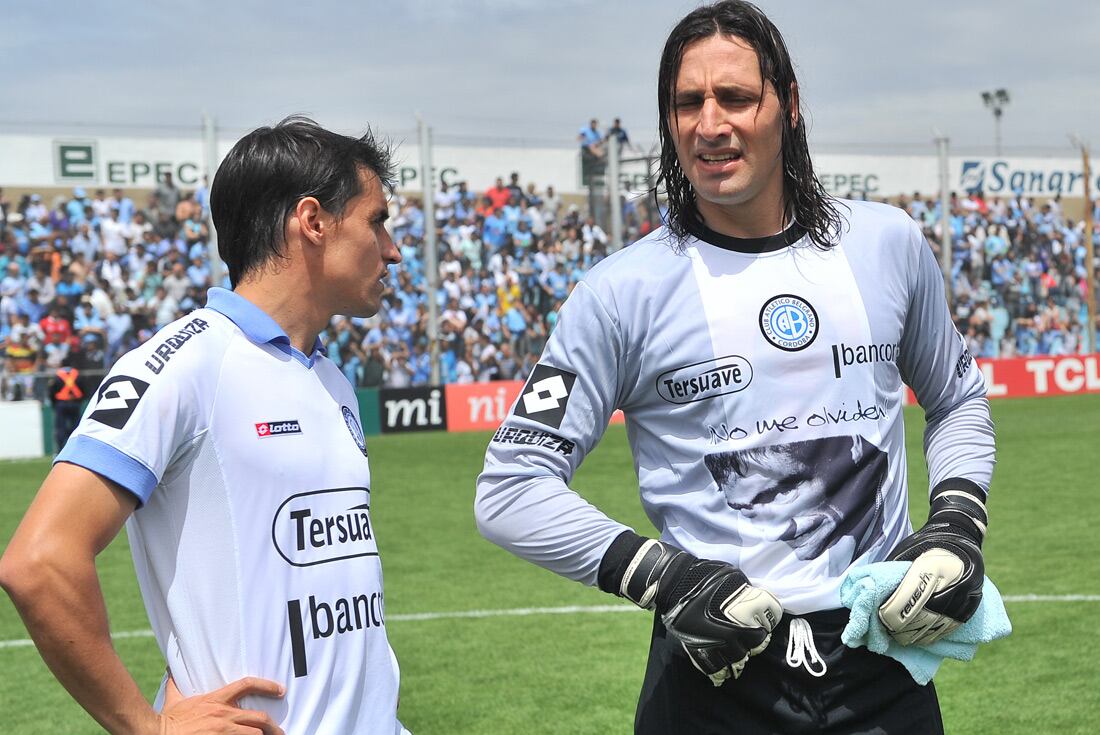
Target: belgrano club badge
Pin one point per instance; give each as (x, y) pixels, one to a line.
(354, 428)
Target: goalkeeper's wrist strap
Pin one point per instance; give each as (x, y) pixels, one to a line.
(634, 566)
(960, 503)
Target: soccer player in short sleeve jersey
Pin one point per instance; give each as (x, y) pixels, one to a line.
(758, 345)
(232, 448)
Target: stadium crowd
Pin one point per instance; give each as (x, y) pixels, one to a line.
(1019, 281)
(85, 278)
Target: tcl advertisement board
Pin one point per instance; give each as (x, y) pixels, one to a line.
(1042, 376)
(1039, 376)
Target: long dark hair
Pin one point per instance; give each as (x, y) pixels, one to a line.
(805, 199)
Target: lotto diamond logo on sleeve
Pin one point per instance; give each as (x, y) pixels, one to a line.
(545, 396)
(118, 397)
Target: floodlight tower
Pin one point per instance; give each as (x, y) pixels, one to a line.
(996, 101)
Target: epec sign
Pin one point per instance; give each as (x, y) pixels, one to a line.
(857, 182)
(409, 176)
(79, 162)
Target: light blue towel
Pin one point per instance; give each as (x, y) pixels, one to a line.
(866, 588)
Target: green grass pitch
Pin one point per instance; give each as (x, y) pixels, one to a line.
(579, 672)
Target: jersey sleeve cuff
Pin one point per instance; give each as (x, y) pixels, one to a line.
(115, 465)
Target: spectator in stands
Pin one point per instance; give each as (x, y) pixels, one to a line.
(176, 282)
(11, 287)
(591, 141)
(374, 367)
(551, 205)
(163, 307)
(498, 194)
(618, 132)
(21, 361)
(75, 208)
(166, 196)
(421, 364)
(399, 374)
(514, 188)
(444, 203)
(125, 206)
(507, 367)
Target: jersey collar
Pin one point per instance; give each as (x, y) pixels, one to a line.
(257, 325)
(789, 236)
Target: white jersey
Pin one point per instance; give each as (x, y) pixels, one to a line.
(253, 545)
(762, 386)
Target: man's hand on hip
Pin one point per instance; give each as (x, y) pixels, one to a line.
(218, 712)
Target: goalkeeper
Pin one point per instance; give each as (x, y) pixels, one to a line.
(758, 345)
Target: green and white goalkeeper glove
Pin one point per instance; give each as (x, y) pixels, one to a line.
(943, 587)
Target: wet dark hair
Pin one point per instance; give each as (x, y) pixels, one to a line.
(268, 171)
(805, 199)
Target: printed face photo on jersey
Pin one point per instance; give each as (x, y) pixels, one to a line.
(812, 495)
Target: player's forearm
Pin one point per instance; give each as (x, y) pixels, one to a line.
(62, 606)
(961, 443)
(538, 518)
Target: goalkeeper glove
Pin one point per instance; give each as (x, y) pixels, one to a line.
(943, 587)
(708, 606)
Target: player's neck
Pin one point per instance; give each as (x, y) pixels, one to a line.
(749, 220)
(281, 299)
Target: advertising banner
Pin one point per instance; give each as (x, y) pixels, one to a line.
(1021, 377)
(483, 406)
(92, 161)
(411, 409)
(1042, 376)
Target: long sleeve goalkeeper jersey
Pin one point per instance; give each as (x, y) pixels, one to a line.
(762, 385)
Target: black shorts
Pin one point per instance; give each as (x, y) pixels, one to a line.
(860, 691)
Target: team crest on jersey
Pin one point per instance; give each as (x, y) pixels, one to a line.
(788, 322)
(546, 395)
(118, 397)
(354, 428)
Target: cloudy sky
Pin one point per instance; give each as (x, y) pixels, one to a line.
(876, 75)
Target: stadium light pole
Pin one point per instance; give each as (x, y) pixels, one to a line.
(942, 142)
(996, 101)
(615, 208)
(210, 164)
(1090, 249)
(431, 254)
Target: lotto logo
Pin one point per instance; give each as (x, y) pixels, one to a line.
(118, 397)
(546, 395)
(266, 429)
